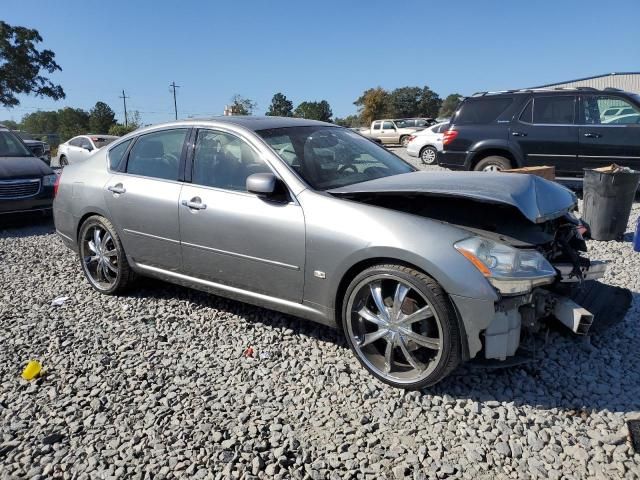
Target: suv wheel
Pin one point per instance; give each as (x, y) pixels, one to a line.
(494, 163)
(401, 326)
(404, 140)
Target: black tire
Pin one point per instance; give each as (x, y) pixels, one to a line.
(62, 161)
(449, 354)
(493, 163)
(429, 155)
(124, 276)
(404, 140)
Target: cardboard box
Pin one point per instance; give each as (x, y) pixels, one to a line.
(548, 173)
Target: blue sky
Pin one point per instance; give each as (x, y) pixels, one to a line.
(331, 49)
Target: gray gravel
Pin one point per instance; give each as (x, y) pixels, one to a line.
(154, 384)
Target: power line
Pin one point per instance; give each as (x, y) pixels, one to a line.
(175, 105)
(124, 101)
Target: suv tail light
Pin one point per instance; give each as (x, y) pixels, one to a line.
(56, 185)
(449, 136)
(411, 137)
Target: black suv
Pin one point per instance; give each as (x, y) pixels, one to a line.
(571, 129)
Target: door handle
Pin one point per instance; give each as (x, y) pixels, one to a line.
(118, 188)
(194, 203)
(592, 135)
(518, 134)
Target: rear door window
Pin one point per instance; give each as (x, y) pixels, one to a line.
(157, 154)
(557, 109)
(482, 110)
(527, 114)
(116, 154)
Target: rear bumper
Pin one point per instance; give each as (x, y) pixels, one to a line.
(453, 160)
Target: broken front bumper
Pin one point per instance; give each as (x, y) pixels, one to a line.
(502, 336)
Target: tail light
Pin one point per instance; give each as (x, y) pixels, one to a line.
(56, 185)
(449, 136)
(411, 137)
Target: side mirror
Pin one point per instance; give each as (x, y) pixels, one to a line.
(262, 183)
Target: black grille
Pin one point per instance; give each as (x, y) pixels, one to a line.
(10, 189)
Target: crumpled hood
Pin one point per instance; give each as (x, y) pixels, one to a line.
(537, 199)
(22, 167)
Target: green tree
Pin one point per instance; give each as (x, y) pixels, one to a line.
(429, 103)
(373, 104)
(350, 121)
(405, 102)
(280, 106)
(242, 106)
(449, 105)
(72, 122)
(10, 124)
(314, 111)
(134, 121)
(101, 118)
(21, 64)
(40, 122)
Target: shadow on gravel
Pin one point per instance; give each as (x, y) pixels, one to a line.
(571, 373)
(25, 225)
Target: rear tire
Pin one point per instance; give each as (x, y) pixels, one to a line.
(493, 163)
(404, 140)
(428, 155)
(102, 257)
(401, 326)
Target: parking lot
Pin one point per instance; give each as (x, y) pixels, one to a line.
(160, 382)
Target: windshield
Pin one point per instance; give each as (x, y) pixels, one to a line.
(331, 157)
(10, 146)
(100, 142)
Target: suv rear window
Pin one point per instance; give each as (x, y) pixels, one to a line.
(482, 110)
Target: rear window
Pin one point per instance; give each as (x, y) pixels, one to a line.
(482, 110)
(102, 141)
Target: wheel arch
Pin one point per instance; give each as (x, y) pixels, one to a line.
(362, 265)
(486, 149)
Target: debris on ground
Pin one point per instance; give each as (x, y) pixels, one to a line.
(248, 353)
(58, 302)
(32, 370)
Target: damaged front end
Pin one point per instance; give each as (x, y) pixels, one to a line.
(523, 237)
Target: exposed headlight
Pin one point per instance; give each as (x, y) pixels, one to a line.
(510, 270)
(49, 180)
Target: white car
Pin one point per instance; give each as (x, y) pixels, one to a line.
(80, 147)
(628, 119)
(427, 143)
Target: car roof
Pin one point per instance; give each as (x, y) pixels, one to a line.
(260, 123)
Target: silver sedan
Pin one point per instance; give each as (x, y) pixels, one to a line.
(420, 270)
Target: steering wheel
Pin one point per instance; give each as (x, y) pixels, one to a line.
(286, 149)
(347, 166)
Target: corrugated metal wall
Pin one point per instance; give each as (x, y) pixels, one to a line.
(629, 82)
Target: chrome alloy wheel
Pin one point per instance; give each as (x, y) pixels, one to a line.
(492, 168)
(100, 257)
(395, 330)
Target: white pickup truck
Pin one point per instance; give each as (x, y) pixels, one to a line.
(388, 132)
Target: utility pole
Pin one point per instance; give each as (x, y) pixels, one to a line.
(124, 101)
(175, 105)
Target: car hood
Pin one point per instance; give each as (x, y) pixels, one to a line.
(22, 167)
(537, 199)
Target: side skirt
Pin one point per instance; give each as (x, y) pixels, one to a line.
(258, 299)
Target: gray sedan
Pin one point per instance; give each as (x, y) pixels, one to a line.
(420, 270)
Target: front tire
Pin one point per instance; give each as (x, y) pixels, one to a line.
(428, 155)
(62, 161)
(102, 257)
(401, 326)
(493, 163)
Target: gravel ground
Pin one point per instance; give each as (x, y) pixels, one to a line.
(155, 385)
